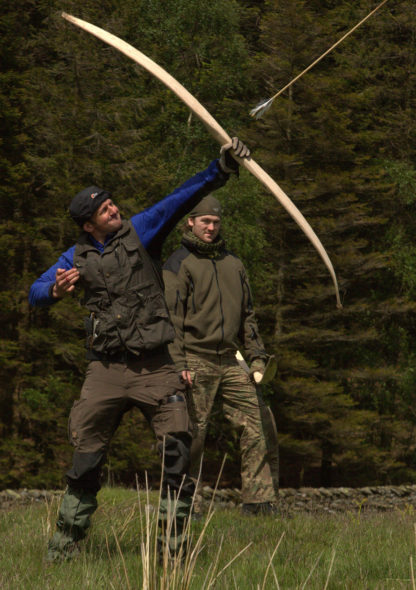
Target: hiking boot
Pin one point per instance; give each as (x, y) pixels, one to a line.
(260, 508)
(72, 524)
(173, 557)
(61, 549)
(197, 516)
(173, 524)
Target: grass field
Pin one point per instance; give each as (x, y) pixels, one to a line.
(353, 550)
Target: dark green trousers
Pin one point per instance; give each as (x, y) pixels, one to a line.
(151, 384)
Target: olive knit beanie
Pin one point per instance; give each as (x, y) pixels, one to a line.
(209, 205)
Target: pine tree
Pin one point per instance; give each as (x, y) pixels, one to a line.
(324, 139)
(84, 114)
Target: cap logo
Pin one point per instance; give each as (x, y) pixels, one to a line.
(93, 195)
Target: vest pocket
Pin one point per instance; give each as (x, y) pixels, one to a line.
(154, 308)
(153, 322)
(133, 255)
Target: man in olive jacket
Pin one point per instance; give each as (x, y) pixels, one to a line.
(210, 303)
(128, 330)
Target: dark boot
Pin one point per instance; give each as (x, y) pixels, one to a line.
(173, 521)
(177, 492)
(260, 508)
(72, 524)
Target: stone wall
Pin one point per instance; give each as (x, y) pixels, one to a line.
(328, 500)
(11, 498)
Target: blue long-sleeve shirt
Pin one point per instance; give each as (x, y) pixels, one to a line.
(152, 226)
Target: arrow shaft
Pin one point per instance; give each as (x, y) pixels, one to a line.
(328, 50)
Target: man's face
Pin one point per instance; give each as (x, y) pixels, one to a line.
(205, 227)
(105, 220)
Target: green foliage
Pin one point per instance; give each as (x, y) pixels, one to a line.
(74, 113)
(340, 142)
(402, 175)
(337, 143)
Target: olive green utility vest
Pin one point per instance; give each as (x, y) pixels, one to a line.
(124, 294)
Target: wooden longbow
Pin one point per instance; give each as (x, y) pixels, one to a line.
(214, 129)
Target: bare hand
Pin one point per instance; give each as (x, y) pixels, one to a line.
(257, 377)
(186, 378)
(64, 282)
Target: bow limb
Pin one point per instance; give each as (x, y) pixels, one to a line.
(213, 128)
(294, 212)
(196, 107)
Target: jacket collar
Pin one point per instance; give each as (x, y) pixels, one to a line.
(86, 242)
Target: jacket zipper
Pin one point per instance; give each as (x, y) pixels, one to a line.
(178, 298)
(221, 308)
(244, 286)
(192, 294)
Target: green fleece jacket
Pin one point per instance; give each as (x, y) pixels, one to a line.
(210, 303)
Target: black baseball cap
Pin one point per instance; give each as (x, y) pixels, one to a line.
(86, 202)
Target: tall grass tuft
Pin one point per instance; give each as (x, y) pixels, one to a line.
(167, 571)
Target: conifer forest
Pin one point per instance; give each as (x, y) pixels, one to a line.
(341, 142)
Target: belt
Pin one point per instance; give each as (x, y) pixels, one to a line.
(120, 357)
(124, 356)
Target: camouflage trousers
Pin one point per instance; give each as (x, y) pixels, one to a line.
(244, 407)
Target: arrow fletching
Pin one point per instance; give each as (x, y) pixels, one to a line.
(262, 107)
